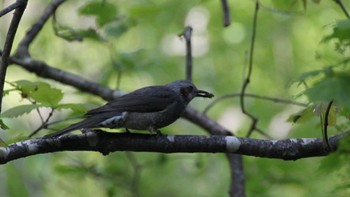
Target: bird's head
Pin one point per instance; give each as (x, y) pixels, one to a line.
(188, 90)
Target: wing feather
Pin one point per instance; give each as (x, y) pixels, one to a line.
(149, 99)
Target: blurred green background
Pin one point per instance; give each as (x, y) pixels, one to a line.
(140, 46)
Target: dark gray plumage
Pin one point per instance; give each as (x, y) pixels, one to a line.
(149, 108)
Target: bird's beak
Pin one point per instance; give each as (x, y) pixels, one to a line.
(202, 93)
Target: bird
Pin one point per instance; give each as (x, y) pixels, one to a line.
(150, 108)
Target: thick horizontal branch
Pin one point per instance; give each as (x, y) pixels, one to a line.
(105, 142)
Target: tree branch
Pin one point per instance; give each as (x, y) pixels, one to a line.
(343, 8)
(36, 28)
(106, 142)
(11, 7)
(5, 56)
(46, 71)
(226, 13)
(187, 34)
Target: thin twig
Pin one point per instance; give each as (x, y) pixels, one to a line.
(36, 28)
(267, 98)
(9, 8)
(43, 125)
(187, 34)
(226, 12)
(5, 58)
(343, 8)
(250, 68)
(325, 126)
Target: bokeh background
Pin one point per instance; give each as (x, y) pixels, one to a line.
(141, 47)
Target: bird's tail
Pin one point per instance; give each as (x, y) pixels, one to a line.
(89, 122)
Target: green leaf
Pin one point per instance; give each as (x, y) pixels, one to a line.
(19, 110)
(25, 86)
(90, 34)
(41, 92)
(116, 29)
(47, 95)
(341, 31)
(336, 87)
(102, 10)
(3, 125)
(77, 108)
(303, 115)
(3, 143)
(70, 34)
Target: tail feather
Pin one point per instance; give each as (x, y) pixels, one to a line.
(87, 123)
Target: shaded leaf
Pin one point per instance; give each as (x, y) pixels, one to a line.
(19, 110)
(341, 31)
(336, 86)
(303, 115)
(102, 10)
(77, 108)
(116, 29)
(3, 125)
(71, 34)
(3, 143)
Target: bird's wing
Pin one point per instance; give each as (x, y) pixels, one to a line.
(149, 99)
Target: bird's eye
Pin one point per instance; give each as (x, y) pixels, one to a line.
(187, 90)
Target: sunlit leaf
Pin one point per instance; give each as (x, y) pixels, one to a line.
(25, 86)
(40, 92)
(47, 95)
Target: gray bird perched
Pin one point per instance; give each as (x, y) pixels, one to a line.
(149, 108)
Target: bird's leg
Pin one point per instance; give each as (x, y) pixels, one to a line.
(85, 130)
(154, 130)
(127, 130)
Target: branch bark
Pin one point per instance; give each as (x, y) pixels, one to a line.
(106, 142)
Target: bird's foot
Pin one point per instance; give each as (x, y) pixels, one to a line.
(85, 130)
(156, 131)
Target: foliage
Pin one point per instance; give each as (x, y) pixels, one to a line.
(129, 44)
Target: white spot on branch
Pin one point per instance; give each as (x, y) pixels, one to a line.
(171, 138)
(232, 143)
